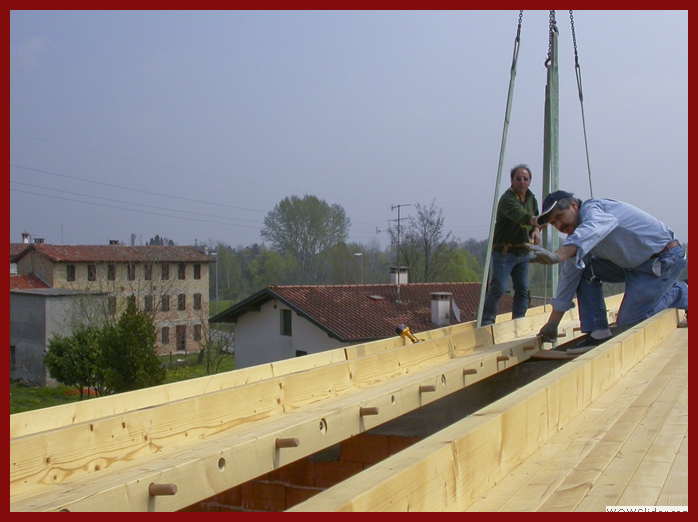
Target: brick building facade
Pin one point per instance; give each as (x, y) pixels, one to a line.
(169, 282)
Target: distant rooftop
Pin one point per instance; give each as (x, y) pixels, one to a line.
(359, 313)
(115, 253)
(26, 282)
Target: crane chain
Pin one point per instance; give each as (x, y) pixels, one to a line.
(574, 39)
(552, 28)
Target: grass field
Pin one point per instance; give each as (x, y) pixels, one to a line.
(27, 398)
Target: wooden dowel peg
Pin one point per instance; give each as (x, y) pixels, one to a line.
(469, 371)
(287, 443)
(427, 388)
(368, 411)
(528, 348)
(160, 490)
(562, 334)
(502, 358)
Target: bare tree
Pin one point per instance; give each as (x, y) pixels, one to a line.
(216, 344)
(424, 245)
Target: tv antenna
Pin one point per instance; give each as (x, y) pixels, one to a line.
(393, 207)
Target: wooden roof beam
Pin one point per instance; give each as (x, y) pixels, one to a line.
(239, 453)
(379, 376)
(451, 469)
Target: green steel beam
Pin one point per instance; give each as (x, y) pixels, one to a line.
(551, 149)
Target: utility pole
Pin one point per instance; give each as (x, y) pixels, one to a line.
(393, 207)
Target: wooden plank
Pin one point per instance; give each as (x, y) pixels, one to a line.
(73, 455)
(553, 355)
(528, 326)
(651, 474)
(204, 419)
(616, 484)
(78, 448)
(530, 483)
(675, 489)
(554, 473)
(466, 459)
(222, 408)
(574, 492)
(26, 423)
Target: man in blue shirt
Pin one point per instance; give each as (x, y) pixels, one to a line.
(608, 240)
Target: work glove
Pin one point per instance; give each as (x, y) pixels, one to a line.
(548, 333)
(542, 256)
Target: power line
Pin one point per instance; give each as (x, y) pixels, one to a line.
(133, 189)
(125, 202)
(153, 164)
(131, 210)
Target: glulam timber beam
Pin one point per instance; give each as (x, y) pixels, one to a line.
(201, 437)
(449, 470)
(27, 423)
(206, 443)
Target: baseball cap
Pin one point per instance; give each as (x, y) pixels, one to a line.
(549, 204)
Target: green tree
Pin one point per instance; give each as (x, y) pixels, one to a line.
(157, 240)
(227, 273)
(75, 360)
(306, 228)
(272, 268)
(129, 357)
(477, 248)
(461, 266)
(342, 266)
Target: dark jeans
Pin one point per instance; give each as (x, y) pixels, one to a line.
(650, 288)
(516, 266)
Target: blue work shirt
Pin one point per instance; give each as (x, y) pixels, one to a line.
(611, 230)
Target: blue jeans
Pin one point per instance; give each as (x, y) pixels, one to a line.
(650, 288)
(516, 266)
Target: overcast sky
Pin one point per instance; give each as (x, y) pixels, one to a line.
(193, 125)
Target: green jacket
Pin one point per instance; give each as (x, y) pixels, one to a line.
(513, 226)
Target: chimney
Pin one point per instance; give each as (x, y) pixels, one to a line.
(113, 241)
(38, 240)
(25, 237)
(441, 308)
(404, 275)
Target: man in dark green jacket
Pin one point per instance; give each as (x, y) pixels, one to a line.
(514, 228)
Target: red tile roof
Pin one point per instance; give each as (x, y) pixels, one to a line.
(26, 282)
(16, 249)
(366, 312)
(119, 253)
